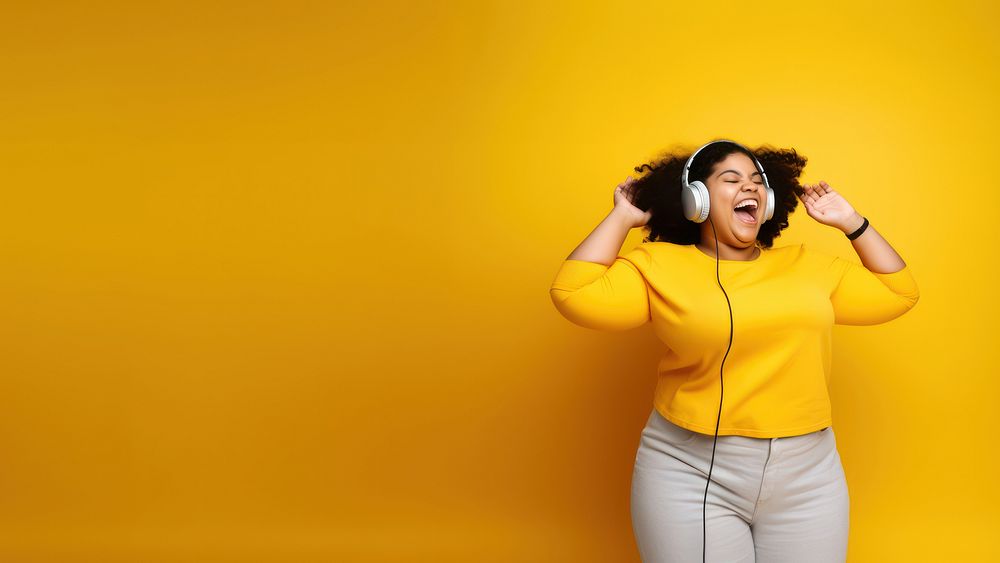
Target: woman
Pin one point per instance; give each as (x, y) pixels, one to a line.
(738, 459)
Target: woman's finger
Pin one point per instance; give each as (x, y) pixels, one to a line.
(811, 195)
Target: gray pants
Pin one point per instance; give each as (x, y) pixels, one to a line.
(771, 500)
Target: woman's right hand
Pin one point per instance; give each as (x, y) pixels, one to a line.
(624, 195)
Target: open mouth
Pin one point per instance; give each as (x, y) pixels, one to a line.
(746, 211)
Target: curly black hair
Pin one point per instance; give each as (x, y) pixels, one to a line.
(659, 191)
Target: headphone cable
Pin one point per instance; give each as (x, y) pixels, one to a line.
(704, 506)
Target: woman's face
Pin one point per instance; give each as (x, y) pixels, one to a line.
(731, 182)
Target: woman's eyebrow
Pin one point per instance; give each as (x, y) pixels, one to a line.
(737, 172)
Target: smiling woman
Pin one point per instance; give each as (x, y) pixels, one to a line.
(712, 220)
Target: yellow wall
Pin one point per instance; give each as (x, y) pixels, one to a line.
(275, 275)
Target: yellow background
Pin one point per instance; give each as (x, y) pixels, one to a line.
(275, 274)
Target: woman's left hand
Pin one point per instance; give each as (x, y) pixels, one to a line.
(829, 207)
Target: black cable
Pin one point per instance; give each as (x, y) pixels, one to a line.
(704, 506)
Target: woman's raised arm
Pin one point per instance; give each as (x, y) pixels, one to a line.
(881, 291)
(596, 289)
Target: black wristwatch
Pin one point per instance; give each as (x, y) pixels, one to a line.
(860, 230)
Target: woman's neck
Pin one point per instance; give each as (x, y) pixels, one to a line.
(727, 252)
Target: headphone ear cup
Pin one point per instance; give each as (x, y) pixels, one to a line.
(695, 201)
(769, 206)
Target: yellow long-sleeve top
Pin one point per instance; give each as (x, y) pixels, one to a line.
(784, 305)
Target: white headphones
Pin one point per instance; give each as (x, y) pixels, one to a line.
(694, 196)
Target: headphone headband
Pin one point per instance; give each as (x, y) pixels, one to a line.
(687, 165)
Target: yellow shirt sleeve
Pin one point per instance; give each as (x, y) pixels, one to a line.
(600, 297)
(863, 297)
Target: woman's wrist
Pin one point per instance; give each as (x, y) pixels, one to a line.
(852, 224)
(623, 217)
